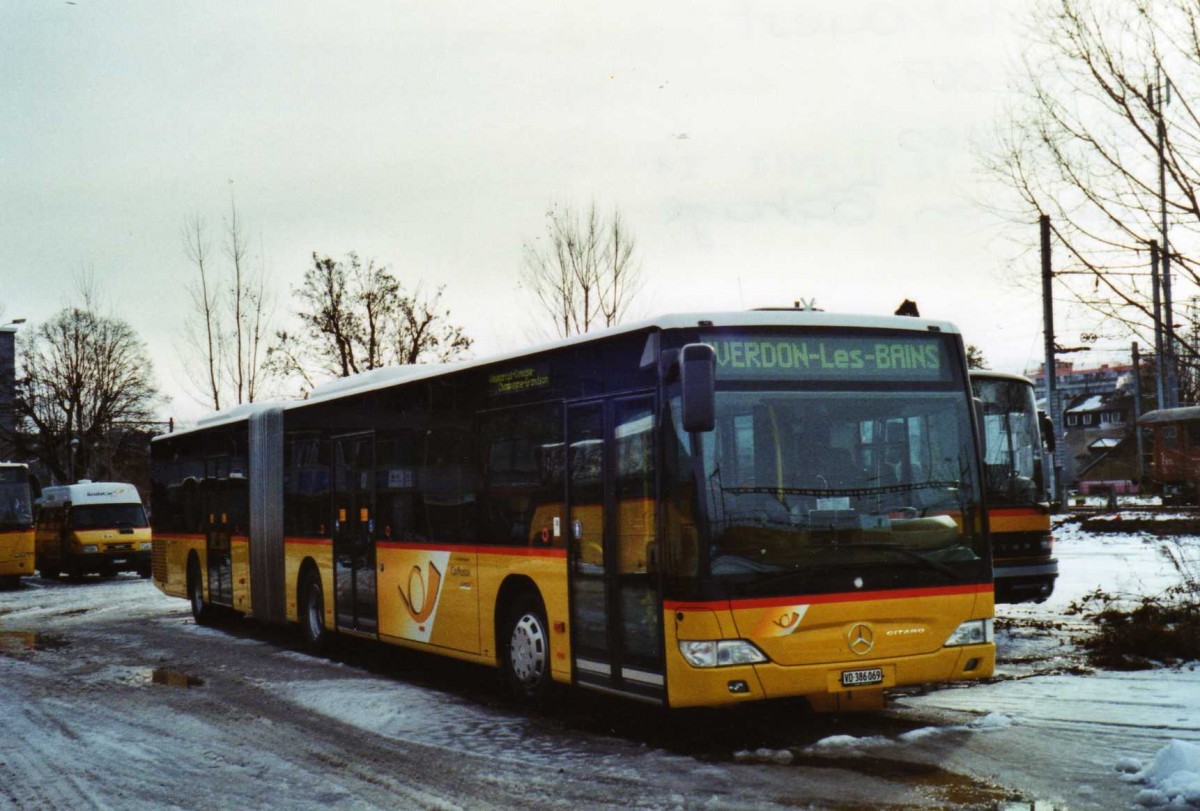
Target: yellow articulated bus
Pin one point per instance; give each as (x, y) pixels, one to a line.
(16, 524)
(1018, 493)
(696, 510)
(92, 527)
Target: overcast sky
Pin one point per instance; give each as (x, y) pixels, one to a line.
(761, 152)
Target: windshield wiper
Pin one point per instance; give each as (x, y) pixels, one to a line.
(917, 556)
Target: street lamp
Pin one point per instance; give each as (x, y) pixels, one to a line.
(74, 450)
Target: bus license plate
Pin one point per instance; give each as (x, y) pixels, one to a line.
(857, 678)
(118, 561)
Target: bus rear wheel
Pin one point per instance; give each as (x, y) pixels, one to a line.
(202, 612)
(312, 611)
(48, 572)
(526, 650)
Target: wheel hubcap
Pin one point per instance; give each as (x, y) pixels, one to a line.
(528, 650)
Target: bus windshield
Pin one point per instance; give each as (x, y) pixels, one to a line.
(16, 508)
(831, 454)
(1013, 440)
(108, 516)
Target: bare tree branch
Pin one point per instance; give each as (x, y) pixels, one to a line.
(582, 271)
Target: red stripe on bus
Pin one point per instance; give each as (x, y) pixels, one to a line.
(841, 597)
(521, 551)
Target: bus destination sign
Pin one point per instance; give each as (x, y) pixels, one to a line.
(515, 381)
(830, 357)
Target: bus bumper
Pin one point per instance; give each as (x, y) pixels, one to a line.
(822, 684)
(1025, 582)
(110, 562)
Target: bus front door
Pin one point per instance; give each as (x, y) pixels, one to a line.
(354, 532)
(616, 617)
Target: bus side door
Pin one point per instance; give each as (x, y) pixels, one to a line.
(616, 617)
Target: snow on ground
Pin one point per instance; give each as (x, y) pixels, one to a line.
(1119, 718)
(1120, 563)
(1173, 777)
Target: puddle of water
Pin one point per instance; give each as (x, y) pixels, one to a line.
(948, 789)
(16, 643)
(174, 678)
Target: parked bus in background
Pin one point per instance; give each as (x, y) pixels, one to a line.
(1018, 494)
(16, 523)
(695, 510)
(92, 527)
(1175, 453)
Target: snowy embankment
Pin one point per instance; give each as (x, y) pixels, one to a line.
(1143, 726)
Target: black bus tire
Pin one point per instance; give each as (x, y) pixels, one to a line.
(48, 572)
(312, 611)
(525, 649)
(202, 612)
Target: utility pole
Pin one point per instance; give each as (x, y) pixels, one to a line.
(1137, 412)
(1159, 344)
(1159, 96)
(1051, 369)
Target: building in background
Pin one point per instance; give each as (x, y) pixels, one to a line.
(1098, 418)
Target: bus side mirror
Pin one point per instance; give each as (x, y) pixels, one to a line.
(1047, 429)
(697, 383)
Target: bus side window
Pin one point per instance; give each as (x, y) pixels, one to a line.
(522, 492)
(395, 485)
(448, 481)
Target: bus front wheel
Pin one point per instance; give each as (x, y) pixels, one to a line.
(526, 649)
(312, 611)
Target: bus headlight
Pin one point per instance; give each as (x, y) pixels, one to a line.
(971, 632)
(720, 653)
(145, 546)
(91, 547)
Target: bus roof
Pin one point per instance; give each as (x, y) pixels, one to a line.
(1161, 415)
(391, 375)
(988, 373)
(90, 493)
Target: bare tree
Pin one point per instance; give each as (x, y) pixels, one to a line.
(424, 331)
(583, 271)
(1083, 144)
(227, 331)
(356, 317)
(202, 328)
(86, 377)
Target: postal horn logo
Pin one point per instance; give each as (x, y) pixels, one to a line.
(422, 597)
(861, 638)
